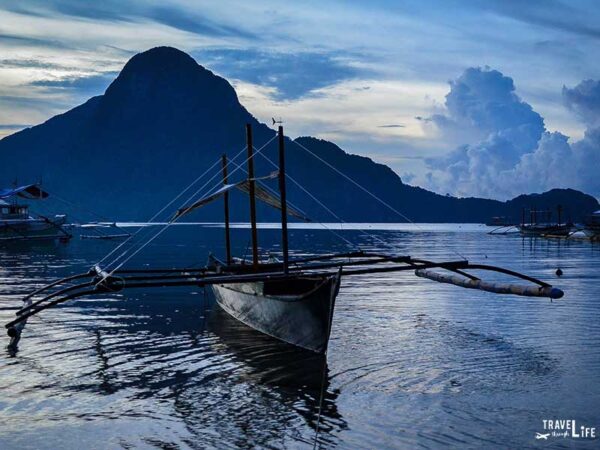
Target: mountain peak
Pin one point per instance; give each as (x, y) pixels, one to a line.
(160, 59)
(165, 81)
(165, 118)
(168, 72)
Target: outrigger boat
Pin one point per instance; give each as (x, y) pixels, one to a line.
(545, 228)
(18, 225)
(292, 299)
(106, 231)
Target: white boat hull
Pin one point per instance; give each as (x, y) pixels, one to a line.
(592, 233)
(32, 229)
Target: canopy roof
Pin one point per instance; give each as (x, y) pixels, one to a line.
(244, 186)
(30, 191)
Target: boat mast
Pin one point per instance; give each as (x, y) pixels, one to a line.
(282, 194)
(226, 200)
(252, 195)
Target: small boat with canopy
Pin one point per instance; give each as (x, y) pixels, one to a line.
(18, 224)
(290, 299)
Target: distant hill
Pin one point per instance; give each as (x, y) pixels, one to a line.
(165, 119)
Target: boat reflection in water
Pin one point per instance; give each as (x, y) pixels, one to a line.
(298, 377)
(227, 384)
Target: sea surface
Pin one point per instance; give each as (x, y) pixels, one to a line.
(411, 363)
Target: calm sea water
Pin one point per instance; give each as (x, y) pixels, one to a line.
(412, 363)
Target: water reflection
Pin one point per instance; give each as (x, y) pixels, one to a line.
(297, 375)
(219, 377)
(412, 362)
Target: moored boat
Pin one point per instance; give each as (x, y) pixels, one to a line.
(106, 231)
(591, 227)
(297, 311)
(17, 224)
(545, 228)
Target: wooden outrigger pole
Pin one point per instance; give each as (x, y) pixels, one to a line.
(96, 282)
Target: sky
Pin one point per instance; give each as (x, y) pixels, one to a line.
(471, 98)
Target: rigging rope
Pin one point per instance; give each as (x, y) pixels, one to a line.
(384, 203)
(168, 224)
(307, 192)
(133, 235)
(360, 186)
(96, 230)
(172, 221)
(350, 243)
(76, 206)
(165, 207)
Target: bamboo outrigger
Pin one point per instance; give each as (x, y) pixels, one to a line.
(292, 300)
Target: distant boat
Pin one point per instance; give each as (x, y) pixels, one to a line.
(17, 224)
(547, 228)
(591, 226)
(106, 231)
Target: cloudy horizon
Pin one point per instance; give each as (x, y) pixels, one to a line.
(489, 99)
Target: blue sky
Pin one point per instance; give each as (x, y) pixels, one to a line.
(473, 98)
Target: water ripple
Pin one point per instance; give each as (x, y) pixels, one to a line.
(411, 363)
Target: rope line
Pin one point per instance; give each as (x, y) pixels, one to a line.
(350, 243)
(76, 206)
(358, 185)
(189, 199)
(364, 189)
(133, 235)
(169, 204)
(323, 205)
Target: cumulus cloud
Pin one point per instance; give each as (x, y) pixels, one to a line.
(507, 149)
(584, 99)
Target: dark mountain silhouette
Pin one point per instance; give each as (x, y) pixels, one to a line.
(165, 119)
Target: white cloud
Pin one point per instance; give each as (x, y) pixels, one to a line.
(331, 112)
(514, 153)
(409, 49)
